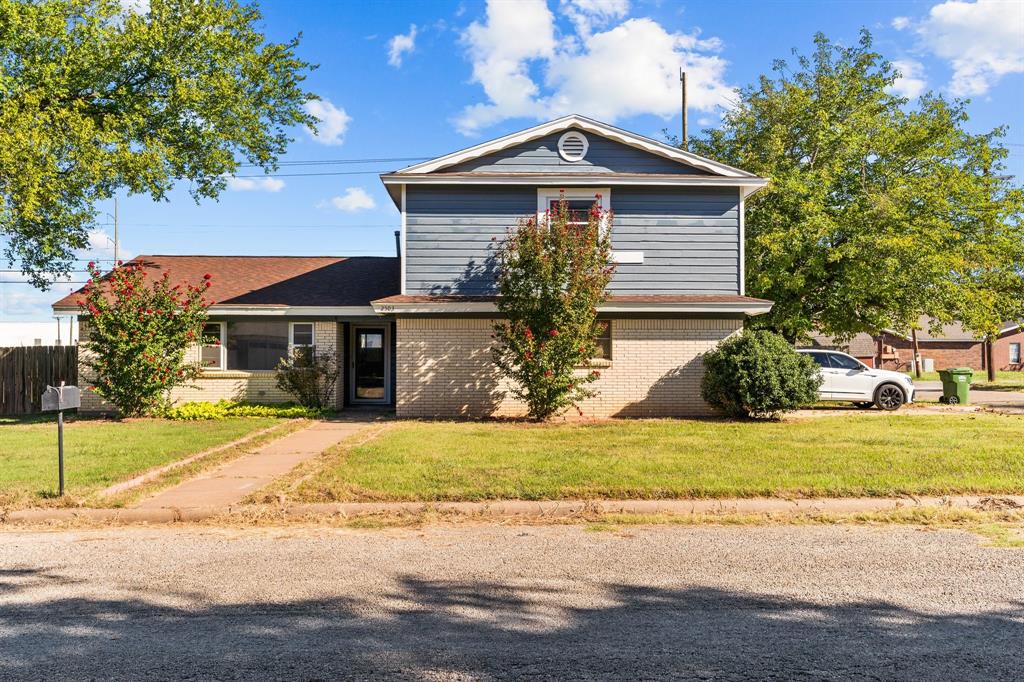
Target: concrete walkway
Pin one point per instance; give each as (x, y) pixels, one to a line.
(228, 485)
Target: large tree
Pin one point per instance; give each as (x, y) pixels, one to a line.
(98, 96)
(879, 210)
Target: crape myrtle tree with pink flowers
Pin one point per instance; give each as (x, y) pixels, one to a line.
(139, 331)
(552, 273)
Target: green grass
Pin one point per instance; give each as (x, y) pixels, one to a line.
(1005, 381)
(99, 453)
(826, 456)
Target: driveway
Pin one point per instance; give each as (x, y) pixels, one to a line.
(506, 602)
(1002, 401)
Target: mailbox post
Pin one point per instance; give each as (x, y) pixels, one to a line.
(60, 398)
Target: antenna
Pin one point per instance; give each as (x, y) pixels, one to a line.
(682, 83)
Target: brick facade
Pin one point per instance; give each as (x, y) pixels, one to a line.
(257, 386)
(445, 368)
(948, 354)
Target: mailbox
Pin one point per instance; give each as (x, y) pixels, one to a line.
(58, 398)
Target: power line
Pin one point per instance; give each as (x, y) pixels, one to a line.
(303, 175)
(339, 162)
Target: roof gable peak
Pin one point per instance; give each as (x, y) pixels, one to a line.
(585, 124)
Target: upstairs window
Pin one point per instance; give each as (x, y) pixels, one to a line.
(580, 201)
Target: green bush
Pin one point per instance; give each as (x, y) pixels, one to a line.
(309, 378)
(229, 408)
(759, 374)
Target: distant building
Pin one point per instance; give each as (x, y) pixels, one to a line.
(35, 333)
(952, 346)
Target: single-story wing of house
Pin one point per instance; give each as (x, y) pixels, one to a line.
(413, 332)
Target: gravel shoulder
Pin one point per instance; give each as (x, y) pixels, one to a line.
(506, 602)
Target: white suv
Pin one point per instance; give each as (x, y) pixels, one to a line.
(847, 378)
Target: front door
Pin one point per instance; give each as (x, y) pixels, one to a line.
(369, 365)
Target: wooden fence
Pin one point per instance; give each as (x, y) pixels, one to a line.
(26, 371)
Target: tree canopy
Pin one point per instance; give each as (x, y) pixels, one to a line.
(96, 98)
(878, 210)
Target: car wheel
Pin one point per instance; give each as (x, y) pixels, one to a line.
(864, 406)
(889, 397)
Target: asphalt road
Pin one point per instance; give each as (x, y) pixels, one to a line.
(501, 602)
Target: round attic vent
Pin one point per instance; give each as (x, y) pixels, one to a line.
(573, 146)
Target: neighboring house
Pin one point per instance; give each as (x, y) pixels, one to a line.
(415, 331)
(952, 346)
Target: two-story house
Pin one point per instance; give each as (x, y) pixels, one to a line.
(414, 331)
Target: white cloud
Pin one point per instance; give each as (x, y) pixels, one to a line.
(586, 14)
(900, 23)
(354, 199)
(101, 247)
(631, 68)
(255, 184)
(333, 121)
(400, 44)
(981, 40)
(911, 82)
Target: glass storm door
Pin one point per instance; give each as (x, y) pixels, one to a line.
(369, 365)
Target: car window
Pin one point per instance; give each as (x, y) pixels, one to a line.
(843, 361)
(820, 358)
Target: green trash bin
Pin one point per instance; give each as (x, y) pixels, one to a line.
(956, 385)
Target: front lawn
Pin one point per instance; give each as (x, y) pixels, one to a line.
(852, 455)
(99, 453)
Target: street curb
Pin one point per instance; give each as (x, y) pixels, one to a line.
(527, 509)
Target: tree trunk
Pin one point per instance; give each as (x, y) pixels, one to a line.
(917, 353)
(989, 357)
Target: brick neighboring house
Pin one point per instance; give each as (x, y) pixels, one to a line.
(953, 346)
(414, 332)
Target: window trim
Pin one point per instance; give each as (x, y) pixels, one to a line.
(223, 347)
(545, 195)
(1009, 352)
(291, 335)
(291, 339)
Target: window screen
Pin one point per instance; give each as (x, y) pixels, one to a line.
(256, 345)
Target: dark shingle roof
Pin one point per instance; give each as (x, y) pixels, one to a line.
(278, 280)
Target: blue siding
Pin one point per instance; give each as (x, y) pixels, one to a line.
(603, 156)
(689, 236)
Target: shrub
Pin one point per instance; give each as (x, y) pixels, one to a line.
(310, 379)
(139, 332)
(552, 275)
(759, 374)
(227, 408)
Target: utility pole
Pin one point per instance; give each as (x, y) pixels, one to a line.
(116, 236)
(682, 85)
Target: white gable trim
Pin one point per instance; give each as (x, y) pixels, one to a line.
(588, 125)
(748, 184)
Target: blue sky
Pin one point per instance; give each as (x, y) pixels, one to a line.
(419, 79)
